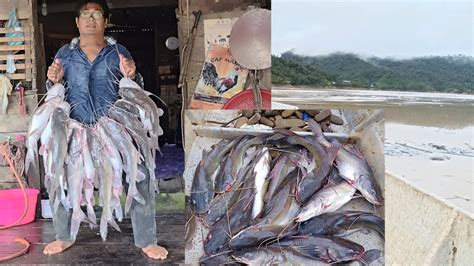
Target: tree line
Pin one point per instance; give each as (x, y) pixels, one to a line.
(454, 74)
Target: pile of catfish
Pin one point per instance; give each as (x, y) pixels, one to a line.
(275, 198)
(78, 157)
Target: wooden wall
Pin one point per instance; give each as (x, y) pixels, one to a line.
(211, 9)
(13, 123)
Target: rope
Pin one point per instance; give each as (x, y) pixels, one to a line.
(17, 156)
(18, 240)
(18, 253)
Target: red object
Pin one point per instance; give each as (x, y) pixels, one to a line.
(12, 206)
(21, 103)
(20, 138)
(245, 100)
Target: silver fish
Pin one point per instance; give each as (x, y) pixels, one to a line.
(261, 170)
(130, 156)
(130, 91)
(323, 248)
(353, 167)
(282, 167)
(57, 157)
(39, 120)
(105, 190)
(234, 162)
(328, 199)
(136, 130)
(136, 110)
(113, 156)
(271, 256)
(202, 189)
(75, 179)
(56, 91)
(90, 176)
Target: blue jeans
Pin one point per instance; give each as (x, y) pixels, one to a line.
(143, 217)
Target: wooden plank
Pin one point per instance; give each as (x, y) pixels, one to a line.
(16, 57)
(38, 51)
(61, 36)
(90, 249)
(7, 30)
(35, 179)
(18, 66)
(67, 6)
(12, 47)
(17, 76)
(23, 9)
(30, 51)
(40, 68)
(13, 39)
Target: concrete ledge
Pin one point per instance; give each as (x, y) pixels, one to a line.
(421, 229)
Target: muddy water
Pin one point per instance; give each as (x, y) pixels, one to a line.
(295, 95)
(429, 136)
(433, 148)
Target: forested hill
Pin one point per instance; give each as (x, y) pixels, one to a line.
(431, 74)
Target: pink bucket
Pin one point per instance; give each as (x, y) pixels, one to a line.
(12, 206)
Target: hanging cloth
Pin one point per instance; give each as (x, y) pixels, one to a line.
(5, 90)
(13, 22)
(11, 64)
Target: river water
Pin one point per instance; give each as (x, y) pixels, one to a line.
(429, 137)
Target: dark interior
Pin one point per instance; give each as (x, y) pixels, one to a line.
(143, 31)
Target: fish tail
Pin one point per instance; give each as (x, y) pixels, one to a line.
(114, 224)
(30, 160)
(128, 203)
(315, 128)
(103, 228)
(158, 149)
(42, 149)
(118, 211)
(127, 177)
(332, 151)
(139, 198)
(77, 218)
(131, 195)
(117, 190)
(370, 256)
(140, 175)
(96, 181)
(91, 215)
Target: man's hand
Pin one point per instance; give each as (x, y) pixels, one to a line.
(127, 67)
(55, 71)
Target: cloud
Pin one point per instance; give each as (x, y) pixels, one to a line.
(386, 28)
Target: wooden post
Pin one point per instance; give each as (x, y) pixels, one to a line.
(157, 55)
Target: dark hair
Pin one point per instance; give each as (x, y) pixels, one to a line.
(81, 3)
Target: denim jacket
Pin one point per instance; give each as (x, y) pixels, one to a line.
(91, 88)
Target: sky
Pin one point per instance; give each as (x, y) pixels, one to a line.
(395, 29)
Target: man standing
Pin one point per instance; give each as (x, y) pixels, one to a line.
(90, 66)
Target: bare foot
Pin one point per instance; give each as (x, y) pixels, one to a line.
(156, 252)
(57, 247)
